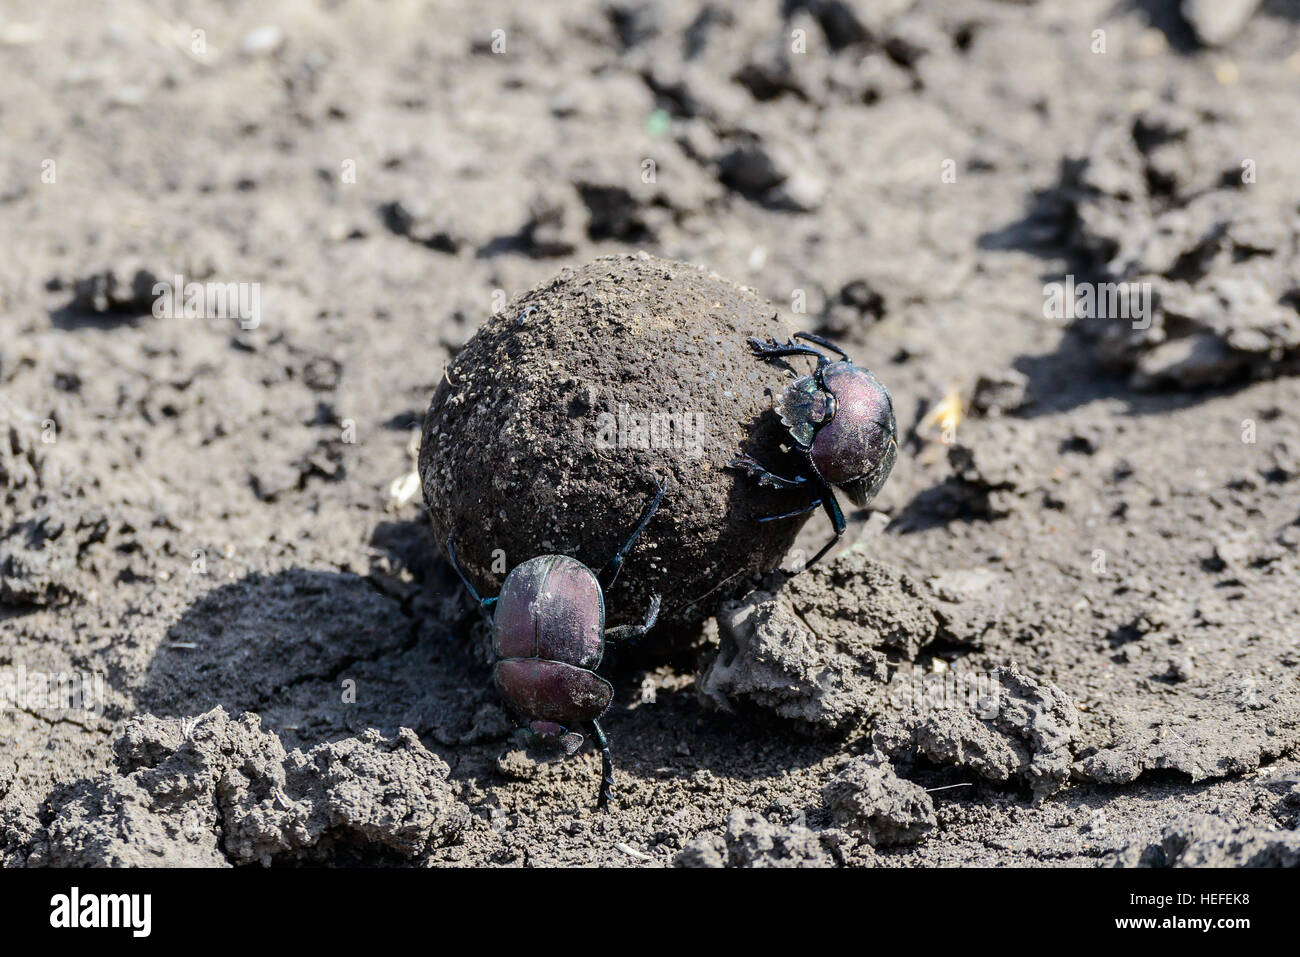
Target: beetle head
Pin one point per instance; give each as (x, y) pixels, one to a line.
(803, 407)
(546, 741)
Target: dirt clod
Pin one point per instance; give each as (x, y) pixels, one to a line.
(214, 791)
(1021, 729)
(816, 647)
(1208, 841)
(1253, 722)
(750, 840)
(868, 797)
(1204, 270)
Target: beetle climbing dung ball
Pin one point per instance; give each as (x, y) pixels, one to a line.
(842, 419)
(547, 428)
(549, 635)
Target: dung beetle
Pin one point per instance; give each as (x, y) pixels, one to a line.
(842, 419)
(549, 635)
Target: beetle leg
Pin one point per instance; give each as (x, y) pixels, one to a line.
(824, 343)
(765, 477)
(633, 632)
(772, 349)
(611, 569)
(837, 520)
(606, 768)
(798, 511)
(484, 603)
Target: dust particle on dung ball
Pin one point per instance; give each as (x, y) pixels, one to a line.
(552, 425)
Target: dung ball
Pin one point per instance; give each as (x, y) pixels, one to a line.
(550, 430)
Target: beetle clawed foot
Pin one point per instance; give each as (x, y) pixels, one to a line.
(773, 350)
(756, 470)
(606, 768)
(751, 466)
(606, 793)
(762, 347)
(746, 463)
(546, 742)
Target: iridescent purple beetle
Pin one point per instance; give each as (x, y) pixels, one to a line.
(549, 635)
(842, 419)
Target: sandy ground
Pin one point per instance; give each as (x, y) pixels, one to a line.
(198, 513)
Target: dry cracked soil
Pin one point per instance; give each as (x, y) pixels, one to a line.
(1064, 634)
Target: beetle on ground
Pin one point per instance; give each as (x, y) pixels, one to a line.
(549, 635)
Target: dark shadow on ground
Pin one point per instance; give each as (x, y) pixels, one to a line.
(322, 655)
(1072, 375)
(934, 507)
(1283, 9)
(1164, 16)
(71, 319)
(1043, 231)
(287, 645)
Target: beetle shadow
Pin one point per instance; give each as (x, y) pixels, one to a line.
(935, 507)
(324, 655)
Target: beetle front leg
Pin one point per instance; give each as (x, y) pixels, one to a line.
(631, 633)
(483, 603)
(798, 511)
(824, 343)
(772, 349)
(610, 572)
(606, 768)
(770, 479)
